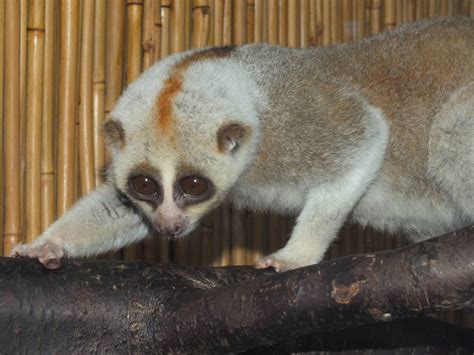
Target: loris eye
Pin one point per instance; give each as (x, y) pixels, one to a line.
(144, 185)
(194, 186)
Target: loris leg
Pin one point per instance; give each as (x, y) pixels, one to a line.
(98, 223)
(328, 205)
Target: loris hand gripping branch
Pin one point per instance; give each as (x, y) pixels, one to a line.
(381, 131)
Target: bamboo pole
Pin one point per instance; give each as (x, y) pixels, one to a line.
(98, 88)
(12, 220)
(47, 140)
(283, 22)
(187, 23)
(293, 39)
(219, 22)
(165, 28)
(148, 42)
(390, 15)
(375, 16)
(134, 39)
(326, 22)
(360, 19)
(316, 22)
(34, 110)
(157, 30)
(200, 16)
(304, 24)
(114, 52)
(432, 8)
(227, 23)
(23, 128)
(2, 169)
(346, 13)
(224, 217)
(86, 128)
(273, 33)
(471, 8)
(335, 21)
(258, 27)
(239, 22)
(177, 26)
(250, 21)
(67, 104)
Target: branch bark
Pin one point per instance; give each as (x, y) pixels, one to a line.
(144, 307)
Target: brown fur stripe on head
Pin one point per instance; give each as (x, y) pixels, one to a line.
(174, 83)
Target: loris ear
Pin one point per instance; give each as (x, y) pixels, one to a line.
(114, 134)
(231, 135)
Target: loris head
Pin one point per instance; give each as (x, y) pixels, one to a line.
(182, 135)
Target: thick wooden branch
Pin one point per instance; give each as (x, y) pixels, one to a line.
(144, 307)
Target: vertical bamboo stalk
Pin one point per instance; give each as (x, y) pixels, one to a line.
(293, 39)
(471, 8)
(375, 16)
(400, 12)
(419, 12)
(177, 26)
(283, 22)
(273, 34)
(432, 8)
(258, 28)
(2, 63)
(227, 23)
(48, 123)
(239, 22)
(157, 29)
(316, 22)
(134, 40)
(390, 15)
(98, 88)
(360, 19)
(304, 23)
(12, 220)
(67, 104)
(218, 22)
(226, 258)
(165, 28)
(411, 11)
(86, 133)
(148, 43)
(115, 34)
(200, 16)
(327, 5)
(34, 108)
(187, 23)
(23, 81)
(336, 21)
(250, 21)
(347, 34)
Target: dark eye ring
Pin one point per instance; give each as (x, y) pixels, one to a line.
(194, 186)
(144, 185)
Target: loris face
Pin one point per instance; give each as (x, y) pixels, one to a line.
(181, 136)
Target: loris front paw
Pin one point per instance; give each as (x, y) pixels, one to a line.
(48, 253)
(278, 262)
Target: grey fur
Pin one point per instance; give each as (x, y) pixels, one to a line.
(381, 131)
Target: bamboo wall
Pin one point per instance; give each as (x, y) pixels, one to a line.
(65, 62)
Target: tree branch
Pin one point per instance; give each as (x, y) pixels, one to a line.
(144, 307)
